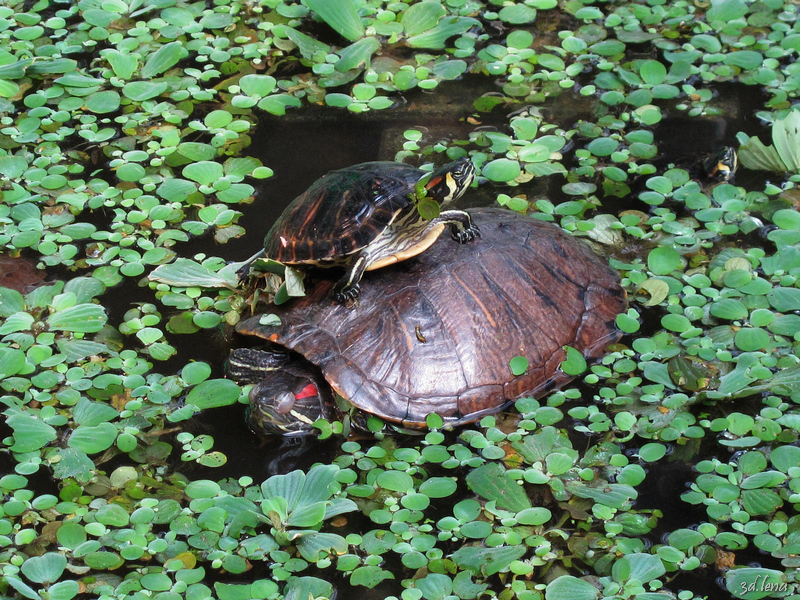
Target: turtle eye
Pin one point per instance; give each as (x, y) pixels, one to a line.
(284, 402)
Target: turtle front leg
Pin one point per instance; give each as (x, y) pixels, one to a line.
(244, 270)
(347, 287)
(462, 227)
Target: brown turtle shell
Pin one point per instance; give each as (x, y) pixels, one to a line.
(341, 213)
(436, 333)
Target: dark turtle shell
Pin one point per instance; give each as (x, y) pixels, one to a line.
(341, 213)
(436, 333)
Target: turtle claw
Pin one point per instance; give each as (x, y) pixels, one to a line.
(346, 293)
(462, 236)
(243, 274)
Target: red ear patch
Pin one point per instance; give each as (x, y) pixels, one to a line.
(433, 182)
(309, 390)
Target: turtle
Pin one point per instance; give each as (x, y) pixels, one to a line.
(365, 217)
(720, 165)
(434, 334)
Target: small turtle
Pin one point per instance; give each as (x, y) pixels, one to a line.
(435, 334)
(721, 165)
(365, 217)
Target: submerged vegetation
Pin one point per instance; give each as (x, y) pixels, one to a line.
(125, 131)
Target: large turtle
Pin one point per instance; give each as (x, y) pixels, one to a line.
(365, 217)
(435, 334)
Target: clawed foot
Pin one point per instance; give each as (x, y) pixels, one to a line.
(462, 236)
(243, 273)
(346, 293)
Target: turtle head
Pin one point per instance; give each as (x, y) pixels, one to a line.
(286, 402)
(449, 182)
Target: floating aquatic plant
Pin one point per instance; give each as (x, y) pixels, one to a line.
(125, 129)
(782, 155)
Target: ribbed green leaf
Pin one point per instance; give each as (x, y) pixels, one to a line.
(341, 15)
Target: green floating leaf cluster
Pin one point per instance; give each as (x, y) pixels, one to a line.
(123, 133)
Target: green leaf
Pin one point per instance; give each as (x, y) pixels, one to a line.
(664, 260)
(308, 515)
(188, 273)
(784, 299)
(396, 481)
(574, 363)
(276, 104)
(91, 413)
(12, 166)
(140, 91)
(341, 15)
(438, 487)
(102, 102)
(519, 365)
(195, 372)
(307, 45)
(726, 10)
(162, 59)
(567, 587)
(286, 489)
(12, 361)
(112, 515)
(369, 576)
(752, 583)
(301, 588)
(517, 14)
(764, 479)
(422, 17)
(428, 208)
(652, 452)
(123, 65)
(784, 458)
(205, 172)
(64, 590)
(30, 433)
(602, 146)
(92, 440)
(750, 339)
(639, 566)
(492, 481)
(357, 56)
(15, 582)
(446, 28)
(485, 562)
(46, 568)
(760, 501)
(501, 170)
(82, 318)
(730, 309)
(614, 495)
(786, 137)
(103, 560)
(745, 59)
(434, 586)
(262, 85)
(753, 154)
(787, 218)
(653, 72)
(213, 393)
(318, 483)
